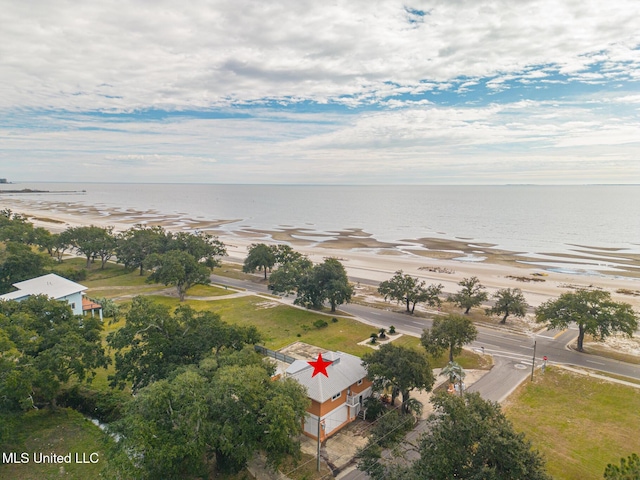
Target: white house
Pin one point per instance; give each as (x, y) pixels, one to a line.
(57, 288)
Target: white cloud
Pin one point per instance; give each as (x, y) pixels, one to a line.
(119, 56)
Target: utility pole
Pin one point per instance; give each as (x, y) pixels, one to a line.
(533, 364)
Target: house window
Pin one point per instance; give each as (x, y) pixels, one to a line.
(359, 382)
(336, 396)
(73, 306)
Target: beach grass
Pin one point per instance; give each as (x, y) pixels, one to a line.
(579, 423)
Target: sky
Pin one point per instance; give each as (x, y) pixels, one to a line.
(337, 92)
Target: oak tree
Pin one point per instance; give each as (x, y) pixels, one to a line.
(592, 310)
(411, 291)
(448, 333)
(508, 302)
(471, 294)
(400, 368)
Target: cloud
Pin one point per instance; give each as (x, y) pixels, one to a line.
(113, 56)
(298, 91)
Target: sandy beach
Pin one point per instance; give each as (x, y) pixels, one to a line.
(365, 258)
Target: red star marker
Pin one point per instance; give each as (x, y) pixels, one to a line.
(320, 366)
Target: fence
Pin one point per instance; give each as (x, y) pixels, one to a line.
(273, 354)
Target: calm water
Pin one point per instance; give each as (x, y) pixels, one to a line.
(519, 218)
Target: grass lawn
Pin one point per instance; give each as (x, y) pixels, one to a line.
(208, 291)
(282, 325)
(63, 431)
(580, 424)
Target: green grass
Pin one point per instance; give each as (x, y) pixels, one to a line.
(282, 325)
(62, 431)
(208, 291)
(580, 424)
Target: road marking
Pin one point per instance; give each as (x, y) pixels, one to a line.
(597, 363)
(557, 335)
(376, 313)
(526, 363)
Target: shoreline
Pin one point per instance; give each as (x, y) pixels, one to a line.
(435, 260)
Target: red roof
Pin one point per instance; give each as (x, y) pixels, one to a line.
(89, 305)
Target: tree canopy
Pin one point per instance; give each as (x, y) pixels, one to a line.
(629, 469)
(471, 294)
(260, 257)
(134, 245)
(401, 368)
(313, 285)
(508, 302)
(409, 290)
(225, 410)
(448, 333)
(19, 262)
(92, 242)
(43, 345)
(153, 342)
(177, 268)
(592, 310)
(470, 438)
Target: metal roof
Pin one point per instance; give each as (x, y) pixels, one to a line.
(51, 285)
(344, 371)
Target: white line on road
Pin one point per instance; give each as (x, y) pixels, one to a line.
(597, 363)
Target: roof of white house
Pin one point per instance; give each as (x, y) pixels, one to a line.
(344, 371)
(51, 285)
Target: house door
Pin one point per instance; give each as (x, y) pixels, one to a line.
(360, 399)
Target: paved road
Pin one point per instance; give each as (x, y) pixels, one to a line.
(512, 352)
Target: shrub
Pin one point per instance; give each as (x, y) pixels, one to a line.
(374, 338)
(320, 323)
(334, 320)
(392, 330)
(374, 408)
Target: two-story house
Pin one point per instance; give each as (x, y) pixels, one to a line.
(336, 399)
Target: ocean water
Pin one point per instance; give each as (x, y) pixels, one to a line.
(532, 219)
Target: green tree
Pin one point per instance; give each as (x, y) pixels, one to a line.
(470, 295)
(61, 243)
(93, 242)
(401, 368)
(225, 412)
(334, 284)
(456, 374)
(508, 302)
(313, 285)
(260, 257)
(285, 254)
(592, 310)
(286, 279)
(134, 245)
(15, 227)
(409, 290)
(48, 347)
(177, 268)
(629, 469)
(448, 333)
(470, 438)
(153, 342)
(17, 263)
(205, 248)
